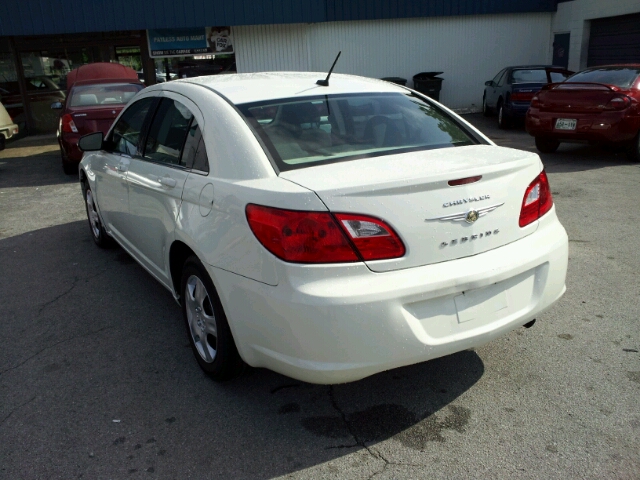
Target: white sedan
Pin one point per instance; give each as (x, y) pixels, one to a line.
(324, 232)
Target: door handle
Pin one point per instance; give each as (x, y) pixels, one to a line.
(121, 168)
(167, 182)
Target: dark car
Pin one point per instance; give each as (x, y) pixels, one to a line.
(511, 90)
(97, 92)
(600, 105)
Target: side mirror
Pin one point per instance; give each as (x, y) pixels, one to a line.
(91, 142)
(2, 141)
(56, 106)
(489, 83)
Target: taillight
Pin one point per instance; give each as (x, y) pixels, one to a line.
(316, 237)
(521, 96)
(535, 101)
(619, 102)
(373, 238)
(67, 125)
(537, 200)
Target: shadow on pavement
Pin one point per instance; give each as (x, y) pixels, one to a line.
(32, 162)
(97, 379)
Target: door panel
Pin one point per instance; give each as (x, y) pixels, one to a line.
(112, 191)
(156, 181)
(155, 195)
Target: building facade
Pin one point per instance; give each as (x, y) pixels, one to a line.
(468, 40)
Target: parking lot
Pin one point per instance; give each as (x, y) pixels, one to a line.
(97, 379)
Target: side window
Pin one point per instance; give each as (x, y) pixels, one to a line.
(126, 133)
(191, 145)
(498, 76)
(168, 132)
(201, 162)
(502, 79)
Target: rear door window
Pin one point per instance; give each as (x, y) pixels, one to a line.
(168, 133)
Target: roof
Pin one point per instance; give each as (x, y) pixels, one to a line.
(101, 72)
(42, 17)
(254, 87)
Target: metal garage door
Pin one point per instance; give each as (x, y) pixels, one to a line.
(614, 40)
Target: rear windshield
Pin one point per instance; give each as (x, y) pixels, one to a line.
(103, 94)
(622, 77)
(535, 75)
(304, 132)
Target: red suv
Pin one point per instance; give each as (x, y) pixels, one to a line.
(97, 92)
(600, 105)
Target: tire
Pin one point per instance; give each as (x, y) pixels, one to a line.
(503, 120)
(546, 145)
(485, 110)
(633, 150)
(68, 167)
(207, 327)
(98, 233)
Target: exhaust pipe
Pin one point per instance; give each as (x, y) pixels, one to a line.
(529, 324)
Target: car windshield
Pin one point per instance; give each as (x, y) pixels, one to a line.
(622, 77)
(303, 132)
(103, 94)
(535, 75)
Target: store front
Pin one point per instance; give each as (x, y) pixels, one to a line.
(33, 70)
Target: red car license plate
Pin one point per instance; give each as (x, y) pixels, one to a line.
(566, 123)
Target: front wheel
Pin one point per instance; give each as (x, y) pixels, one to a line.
(98, 233)
(207, 327)
(485, 109)
(546, 145)
(633, 150)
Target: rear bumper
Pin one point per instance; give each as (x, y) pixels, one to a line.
(335, 324)
(516, 110)
(604, 127)
(9, 130)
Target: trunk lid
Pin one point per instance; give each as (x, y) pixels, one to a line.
(94, 119)
(570, 97)
(411, 193)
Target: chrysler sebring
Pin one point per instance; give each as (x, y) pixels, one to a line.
(327, 231)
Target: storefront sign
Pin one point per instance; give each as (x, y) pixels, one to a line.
(185, 42)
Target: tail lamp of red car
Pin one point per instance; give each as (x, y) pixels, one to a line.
(67, 125)
(537, 200)
(618, 102)
(322, 237)
(535, 101)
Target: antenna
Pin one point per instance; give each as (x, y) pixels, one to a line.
(325, 82)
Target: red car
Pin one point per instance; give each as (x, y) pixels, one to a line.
(600, 105)
(97, 92)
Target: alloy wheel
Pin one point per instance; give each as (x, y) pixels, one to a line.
(94, 219)
(201, 319)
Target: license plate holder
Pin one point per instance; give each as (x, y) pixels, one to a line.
(566, 123)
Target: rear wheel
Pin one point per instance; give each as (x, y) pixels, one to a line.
(207, 327)
(546, 145)
(633, 150)
(503, 120)
(68, 167)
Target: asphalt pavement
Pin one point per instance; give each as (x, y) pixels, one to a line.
(97, 380)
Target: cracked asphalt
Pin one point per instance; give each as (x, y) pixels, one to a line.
(97, 379)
